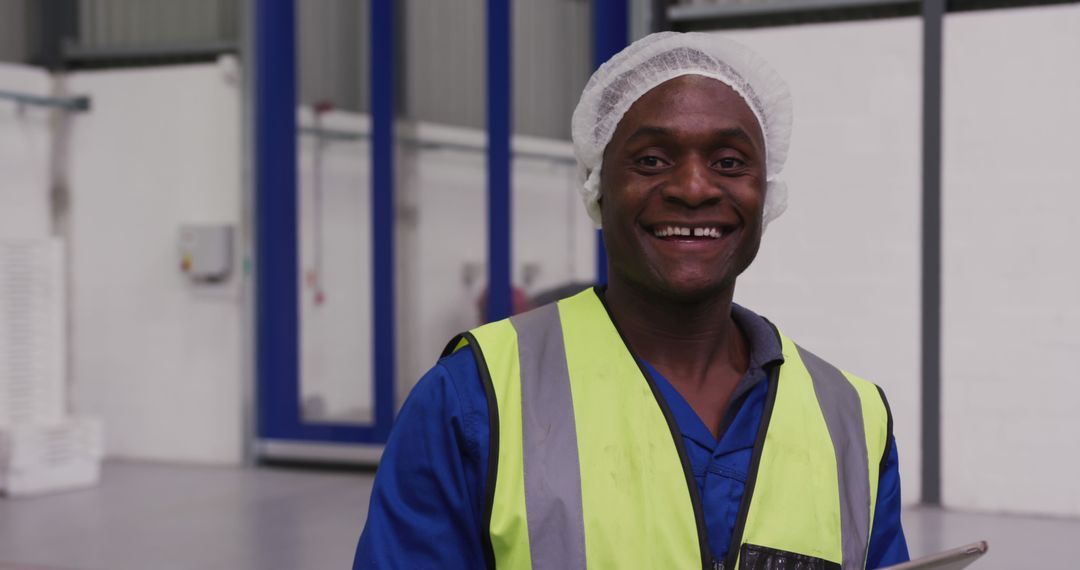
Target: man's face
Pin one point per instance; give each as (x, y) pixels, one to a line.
(688, 157)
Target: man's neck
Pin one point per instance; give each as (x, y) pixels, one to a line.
(691, 342)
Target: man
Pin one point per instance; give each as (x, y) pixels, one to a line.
(652, 423)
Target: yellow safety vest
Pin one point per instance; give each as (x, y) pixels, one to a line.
(587, 467)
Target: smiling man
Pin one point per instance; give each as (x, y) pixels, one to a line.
(651, 423)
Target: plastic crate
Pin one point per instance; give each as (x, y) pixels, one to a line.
(42, 458)
(32, 341)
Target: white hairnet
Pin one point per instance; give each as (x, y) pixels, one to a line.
(659, 57)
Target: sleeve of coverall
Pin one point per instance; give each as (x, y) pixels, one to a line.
(887, 543)
(425, 507)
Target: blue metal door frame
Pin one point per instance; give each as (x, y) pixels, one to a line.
(277, 240)
(611, 20)
(499, 128)
(277, 247)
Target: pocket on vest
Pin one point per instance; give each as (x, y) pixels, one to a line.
(754, 557)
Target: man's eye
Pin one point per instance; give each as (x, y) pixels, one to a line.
(728, 163)
(651, 161)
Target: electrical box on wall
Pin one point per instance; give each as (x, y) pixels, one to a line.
(206, 251)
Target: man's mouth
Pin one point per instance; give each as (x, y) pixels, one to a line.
(697, 232)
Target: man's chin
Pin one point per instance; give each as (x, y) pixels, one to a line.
(695, 289)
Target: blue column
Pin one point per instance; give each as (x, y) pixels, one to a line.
(499, 121)
(382, 209)
(610, 23)
(276, 258)
(277, 239)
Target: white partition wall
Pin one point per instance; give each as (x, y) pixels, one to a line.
(1011, 318)
(158, 359)
(442, 256)
(334, 221)
(839, 271)
(554, 238)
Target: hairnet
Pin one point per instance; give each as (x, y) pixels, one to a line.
(659, 57)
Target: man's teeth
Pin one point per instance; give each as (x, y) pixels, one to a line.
(668, 231)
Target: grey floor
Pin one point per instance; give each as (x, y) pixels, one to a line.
(161, 517)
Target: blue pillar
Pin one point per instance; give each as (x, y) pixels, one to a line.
(277, 239)
(499, 121)
(382, 209)
(276, 257)
(610, 23)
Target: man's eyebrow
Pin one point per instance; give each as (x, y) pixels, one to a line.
(648, 131)
(735, 133)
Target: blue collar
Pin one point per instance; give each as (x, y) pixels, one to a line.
(765, 350)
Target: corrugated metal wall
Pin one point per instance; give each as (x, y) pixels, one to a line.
(443, 60)
(333, 47)
(13, 24)
(151, 23)
(442, 54)
(552, 62)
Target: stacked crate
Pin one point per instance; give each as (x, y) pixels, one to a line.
(42, 448)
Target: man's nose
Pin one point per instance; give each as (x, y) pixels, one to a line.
(692, 185)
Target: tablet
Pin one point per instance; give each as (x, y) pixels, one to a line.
(955, 559)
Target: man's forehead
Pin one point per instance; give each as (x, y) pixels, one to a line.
(690, 91)
(693, 101)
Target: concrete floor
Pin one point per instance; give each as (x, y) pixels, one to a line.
(161, 517)
(149, 516)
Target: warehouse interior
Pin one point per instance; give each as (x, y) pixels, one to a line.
(234, 233)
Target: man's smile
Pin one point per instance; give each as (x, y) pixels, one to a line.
(695, 235)
(689, 232)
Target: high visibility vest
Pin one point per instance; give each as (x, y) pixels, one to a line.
(587, 467)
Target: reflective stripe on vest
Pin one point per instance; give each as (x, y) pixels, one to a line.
(587, 468)
(822, 423)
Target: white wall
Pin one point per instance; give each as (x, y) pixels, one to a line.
(839, 271)
(25, 146)
(553, 234)
(441, 249)
(1011, 268)
(157, 358)
(160, 360)
(443, 254)
(446, 195)
(335, 335)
